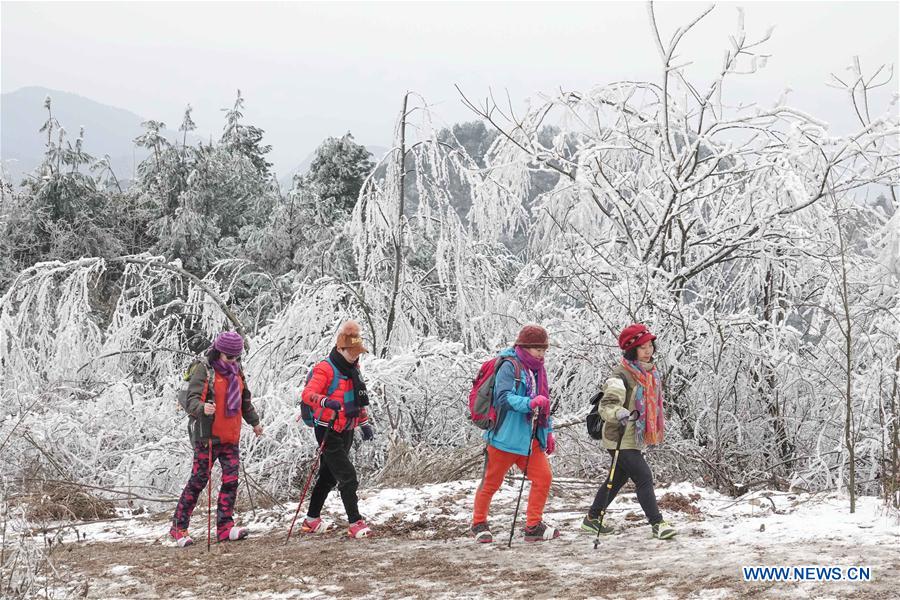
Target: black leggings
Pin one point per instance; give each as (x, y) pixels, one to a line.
(631, 465)
(336, 468)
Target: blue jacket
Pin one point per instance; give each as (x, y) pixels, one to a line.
(511, 401)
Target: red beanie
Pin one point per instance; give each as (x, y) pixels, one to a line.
(532, 336)
(633, 336)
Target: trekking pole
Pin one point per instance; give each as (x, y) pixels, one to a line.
(209, 497)
(612, 471)
(312, 471)
(533, 424)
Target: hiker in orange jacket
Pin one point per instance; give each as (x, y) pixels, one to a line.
(217, 388)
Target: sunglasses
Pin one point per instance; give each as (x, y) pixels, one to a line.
(231, 356)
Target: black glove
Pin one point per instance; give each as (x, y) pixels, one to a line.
(367, 432)
(331, 404)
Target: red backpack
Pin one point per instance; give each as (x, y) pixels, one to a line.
(481, 396)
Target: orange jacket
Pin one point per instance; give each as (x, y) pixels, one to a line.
(227, 429)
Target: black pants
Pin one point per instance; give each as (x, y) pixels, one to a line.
(335, 468)
(631, 465)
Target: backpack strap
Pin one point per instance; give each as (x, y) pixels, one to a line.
(210, 378)
(516, 365)
(335, 378)
(518, 379)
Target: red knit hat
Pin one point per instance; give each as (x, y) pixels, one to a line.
(533, 336)
(633, 336)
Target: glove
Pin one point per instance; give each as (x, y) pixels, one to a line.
(367, 432)
(622, 416)
(551, 444)
(351, 411)
(331, 404)
(540, 404)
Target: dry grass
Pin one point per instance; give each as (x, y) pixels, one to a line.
(675, 502)
(409, 466)
(57, 501)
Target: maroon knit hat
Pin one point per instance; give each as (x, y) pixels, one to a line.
(633, 336)
(532, 336)
(229, 342)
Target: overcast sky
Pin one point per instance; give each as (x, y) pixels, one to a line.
(312, 70)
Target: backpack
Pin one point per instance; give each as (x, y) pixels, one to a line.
(593, 421)
(306, 411)
(201, 428)
(481, 397)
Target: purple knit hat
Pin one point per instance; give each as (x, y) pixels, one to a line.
(229, 342)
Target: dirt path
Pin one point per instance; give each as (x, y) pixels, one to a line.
(394, 565)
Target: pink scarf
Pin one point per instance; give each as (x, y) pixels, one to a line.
(540, 387)
(536, 366)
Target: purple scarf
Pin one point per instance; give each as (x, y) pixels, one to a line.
(229, 371)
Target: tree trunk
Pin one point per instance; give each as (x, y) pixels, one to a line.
(398, 233)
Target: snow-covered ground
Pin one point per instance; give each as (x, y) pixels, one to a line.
(421, 549)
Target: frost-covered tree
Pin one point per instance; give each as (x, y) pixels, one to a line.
(676, 207)
(338, 170)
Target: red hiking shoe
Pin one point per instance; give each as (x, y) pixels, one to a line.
(316, 525)
(359, 530)
(181, 537)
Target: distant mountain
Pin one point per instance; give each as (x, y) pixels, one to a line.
(107, 130)
(286, 181)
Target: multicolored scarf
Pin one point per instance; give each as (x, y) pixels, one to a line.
(648, 400)
(229, 370)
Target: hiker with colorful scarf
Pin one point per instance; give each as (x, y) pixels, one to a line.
(521, 403)
(225, 398)
(337, 415)
(633, 385)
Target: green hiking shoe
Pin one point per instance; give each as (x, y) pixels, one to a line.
(663, 531)
(593, 525)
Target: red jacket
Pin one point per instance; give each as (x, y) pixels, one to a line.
(315, 393)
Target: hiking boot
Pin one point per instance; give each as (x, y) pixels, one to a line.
(234, 534)
(663, 531)
(359, 530)
(316, 525)
(181, 537)
(593, 525)
(482, 533)
(541, 533)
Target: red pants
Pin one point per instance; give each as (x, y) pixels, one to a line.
(498, 463)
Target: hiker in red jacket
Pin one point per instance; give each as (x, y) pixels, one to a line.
(336, 416)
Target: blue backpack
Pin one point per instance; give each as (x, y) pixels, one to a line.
(306, 411)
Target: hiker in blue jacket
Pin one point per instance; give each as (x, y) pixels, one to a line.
(522, 436)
